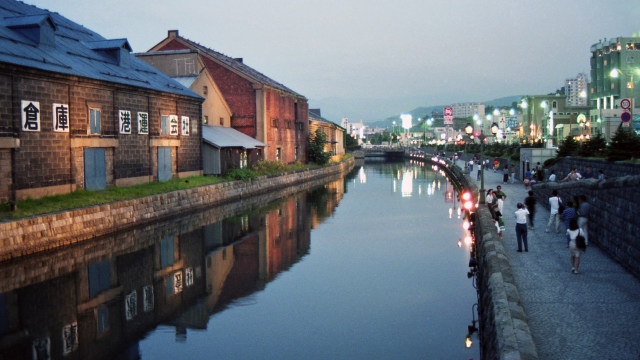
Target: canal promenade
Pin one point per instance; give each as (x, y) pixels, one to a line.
(591, 315)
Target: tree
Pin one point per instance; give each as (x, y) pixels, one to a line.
(350, 143)
(315, 152)
(568, 147)
(624, 145)
(595, 146)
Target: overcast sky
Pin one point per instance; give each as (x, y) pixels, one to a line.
(368, 60)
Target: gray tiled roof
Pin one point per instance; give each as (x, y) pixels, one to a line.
(318, 118)
(74, 50)
(239, 66)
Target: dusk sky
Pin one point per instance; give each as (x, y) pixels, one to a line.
(369, 60)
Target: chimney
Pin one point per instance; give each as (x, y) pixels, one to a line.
(238, 60)
(173, 33)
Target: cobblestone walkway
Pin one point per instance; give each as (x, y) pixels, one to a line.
(592, 315)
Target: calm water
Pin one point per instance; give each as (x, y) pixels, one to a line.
(367, 267)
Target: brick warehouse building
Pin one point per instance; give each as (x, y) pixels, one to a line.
(80, 111)
(261, 107)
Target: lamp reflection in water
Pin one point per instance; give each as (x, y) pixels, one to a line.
(471, 329)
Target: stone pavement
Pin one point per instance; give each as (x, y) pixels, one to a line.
(591, 315)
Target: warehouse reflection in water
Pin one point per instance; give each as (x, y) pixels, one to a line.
(98, 299)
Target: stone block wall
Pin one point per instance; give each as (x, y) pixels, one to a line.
(613, 220)
(610, 169)
(32, 235)
(504, 330)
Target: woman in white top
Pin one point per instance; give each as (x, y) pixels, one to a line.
(573, 231)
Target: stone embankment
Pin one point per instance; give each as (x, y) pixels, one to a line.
(31, 235)
(504, 332)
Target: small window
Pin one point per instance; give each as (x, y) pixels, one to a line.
(166, 252)
(99, 274)
(222, 121)
(205, 120)
(102, 319)
(275, 123)
(94, 120)
(165, 125)
(243, 159)
(278, 154)
(205, 90)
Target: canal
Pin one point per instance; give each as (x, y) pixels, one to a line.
(370, 266)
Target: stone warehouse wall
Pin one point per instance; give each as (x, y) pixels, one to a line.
(504, 330)
(31, 235)
(613, 220)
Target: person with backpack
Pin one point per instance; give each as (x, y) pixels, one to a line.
(577, 245)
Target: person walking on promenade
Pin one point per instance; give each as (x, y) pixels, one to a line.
(530, 202)
(480, 165)
(521, 227)
(500, 197)
(505, 174)
(552, 176)
(491, 201)
(583, 217)
(572, 233)
(569, 214)
(513, 174)
(554, 206)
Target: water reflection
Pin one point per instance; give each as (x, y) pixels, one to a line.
(97, 300)
(385, 279)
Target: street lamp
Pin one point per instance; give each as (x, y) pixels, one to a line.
(468, 130)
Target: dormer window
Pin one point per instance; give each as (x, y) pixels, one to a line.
(37, 28)
(117, 50)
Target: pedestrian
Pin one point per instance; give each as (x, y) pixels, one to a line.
(574, 175)
(500, 196)
(491, 201)
(505, 174)
(552, 176)
(539, 173)
(572, 233)
(569, 214)
(554, 206)
(530, 202)
(521, 227)
(601, 175)
(583, 217)
(588, 174)
(480, 165)
(499, 223)
(513, 174)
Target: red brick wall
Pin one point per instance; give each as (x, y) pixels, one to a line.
(287, 127)
(240, 95)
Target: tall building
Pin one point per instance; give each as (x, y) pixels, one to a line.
(576, 90)
(606, 91)
(468, 110)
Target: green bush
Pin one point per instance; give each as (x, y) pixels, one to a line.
(239, 174)
(316, 151)
(264, 167)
